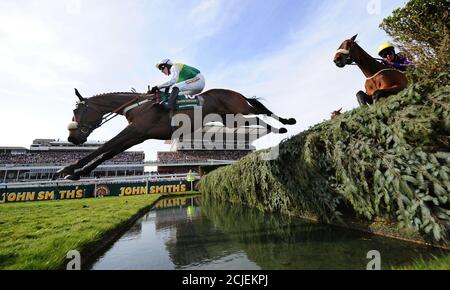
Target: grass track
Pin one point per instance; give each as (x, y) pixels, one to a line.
(38, 235)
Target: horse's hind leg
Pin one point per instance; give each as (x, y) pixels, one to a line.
(238, 104)
(259, 109)
(240, 120)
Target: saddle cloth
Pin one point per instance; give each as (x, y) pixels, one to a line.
(184, 102)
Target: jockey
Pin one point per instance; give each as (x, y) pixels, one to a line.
(390, 58)
(186, 80)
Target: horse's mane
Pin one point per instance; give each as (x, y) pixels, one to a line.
(107, 99)
(374, 60)
(116, 93)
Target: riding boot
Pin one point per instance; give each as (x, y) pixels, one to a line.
(172, 103)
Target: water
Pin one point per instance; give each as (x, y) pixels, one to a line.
(185, 235)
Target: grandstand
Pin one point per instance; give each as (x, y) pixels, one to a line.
(213, 146)
(46, 156)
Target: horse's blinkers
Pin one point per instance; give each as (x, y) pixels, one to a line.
(84, 128)
(346, 55)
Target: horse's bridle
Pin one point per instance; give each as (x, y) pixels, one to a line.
(347, 54)
(87, 128)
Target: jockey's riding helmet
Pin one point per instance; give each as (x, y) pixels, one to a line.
(164, 62)
(385, 47)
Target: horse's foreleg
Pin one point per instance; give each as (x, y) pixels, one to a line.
(111, 144)
(86, 170)
(91, 166)
(363, 98)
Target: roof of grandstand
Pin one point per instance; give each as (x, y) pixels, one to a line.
(12, 148)
(58, 142)
(52, 144)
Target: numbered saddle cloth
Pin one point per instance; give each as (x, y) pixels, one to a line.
(184, 102)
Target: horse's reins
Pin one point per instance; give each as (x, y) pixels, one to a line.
(347, 53)
(126, 108)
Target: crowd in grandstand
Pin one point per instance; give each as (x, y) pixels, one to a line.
(201, 155)
(61, 158)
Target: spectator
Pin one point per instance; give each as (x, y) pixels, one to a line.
(64, 157)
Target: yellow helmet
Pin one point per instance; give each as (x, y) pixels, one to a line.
(384, 46)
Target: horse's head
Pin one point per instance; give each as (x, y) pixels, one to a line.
(343, 55)
(85, 120)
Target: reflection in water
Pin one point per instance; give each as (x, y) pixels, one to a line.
(185, 234)
(281, 242)
(134, 232)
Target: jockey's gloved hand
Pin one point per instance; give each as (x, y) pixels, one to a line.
(154, 90)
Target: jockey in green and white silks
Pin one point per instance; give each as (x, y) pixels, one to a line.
(186, 80)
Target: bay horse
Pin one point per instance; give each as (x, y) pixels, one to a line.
(149, 120)
(381, 80)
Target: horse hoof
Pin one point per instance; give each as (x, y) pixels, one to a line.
(290, 121)
(66, 170)
(72, 177)
(283, 131)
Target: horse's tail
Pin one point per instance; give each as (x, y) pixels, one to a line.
(258, 105)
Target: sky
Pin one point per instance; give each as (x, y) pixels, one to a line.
(279, 50)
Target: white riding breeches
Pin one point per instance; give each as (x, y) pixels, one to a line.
(192, 86)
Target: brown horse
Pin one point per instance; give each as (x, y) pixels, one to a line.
(382, 81)
(149, 120)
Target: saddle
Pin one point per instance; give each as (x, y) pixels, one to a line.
(183, 102)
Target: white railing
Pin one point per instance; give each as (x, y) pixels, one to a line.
(110, 180)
